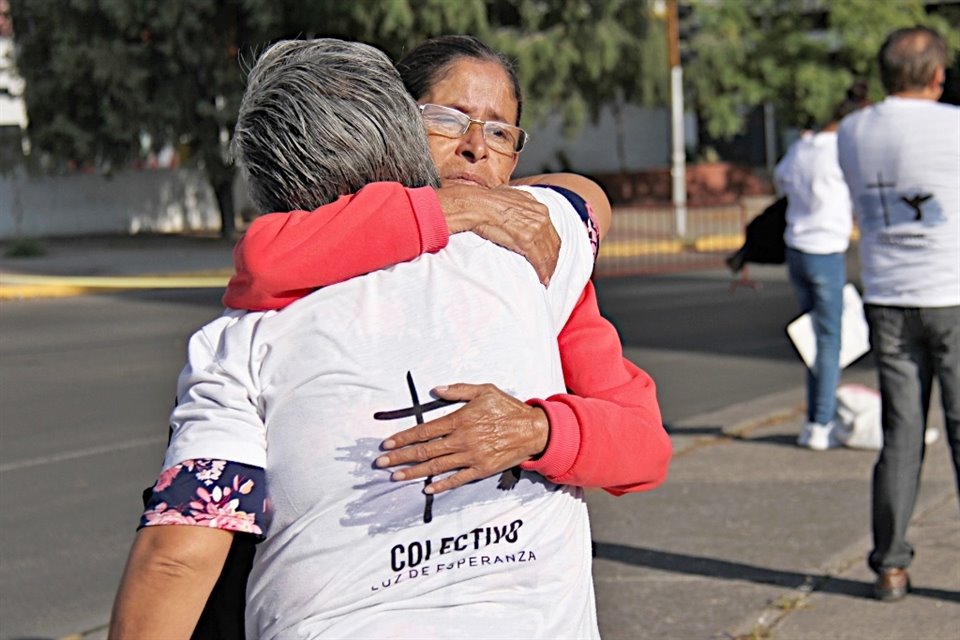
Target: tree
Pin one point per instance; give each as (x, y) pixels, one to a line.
(576, 56)
(109, 80)
(798, 55)
(106, 80)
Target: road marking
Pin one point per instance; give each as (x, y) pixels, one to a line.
(118, 282)
(80, 453)
(96, 632)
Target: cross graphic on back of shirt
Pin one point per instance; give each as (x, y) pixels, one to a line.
(417, 410)
(880, 184)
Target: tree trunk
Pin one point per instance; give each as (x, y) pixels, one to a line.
(618, 121)
(223, 189)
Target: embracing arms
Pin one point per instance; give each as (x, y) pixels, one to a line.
(609, 434)
(284, 256)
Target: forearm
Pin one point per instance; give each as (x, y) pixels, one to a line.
(285, 256)
(169, 575)
(613, 440)
(608, 431)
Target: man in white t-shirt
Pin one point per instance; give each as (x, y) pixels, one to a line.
(901, 160)
(299, 401)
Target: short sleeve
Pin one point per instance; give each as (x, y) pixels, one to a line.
(210, 493)
(575, 262)
(217, 414)
(587, 217)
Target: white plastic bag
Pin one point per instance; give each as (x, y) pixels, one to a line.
(858, 414)
(858, 411)
(854, 332)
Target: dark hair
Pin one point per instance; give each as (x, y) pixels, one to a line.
(322, 118)
(909, 58)
(429, 62)
(856, 99)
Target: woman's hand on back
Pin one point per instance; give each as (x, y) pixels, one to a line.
(509, 217)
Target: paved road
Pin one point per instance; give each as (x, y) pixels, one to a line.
(86, 385)
(85, 388)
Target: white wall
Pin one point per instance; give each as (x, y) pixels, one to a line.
(12, 110)
(646, 143)
(162, 200)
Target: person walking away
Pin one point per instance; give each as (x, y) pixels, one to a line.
(819, 222)
(901, 159)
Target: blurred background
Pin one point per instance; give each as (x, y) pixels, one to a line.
(116, 115)
(116, 119)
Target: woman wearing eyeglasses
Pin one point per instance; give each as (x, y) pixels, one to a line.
(608, 431)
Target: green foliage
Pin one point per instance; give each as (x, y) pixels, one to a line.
(104, 76)
(576, 56)
(799, 55)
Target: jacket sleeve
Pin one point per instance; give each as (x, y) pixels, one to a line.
(610, 433)
(284, 256)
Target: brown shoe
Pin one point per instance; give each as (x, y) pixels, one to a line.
(891, 585)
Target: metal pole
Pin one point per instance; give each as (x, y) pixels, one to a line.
(678, 169)
(770, 136)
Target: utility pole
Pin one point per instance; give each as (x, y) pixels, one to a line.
(678, 169)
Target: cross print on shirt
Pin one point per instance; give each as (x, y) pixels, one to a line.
(880, 184)
(417, 410)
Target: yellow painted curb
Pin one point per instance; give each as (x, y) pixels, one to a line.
(27, 292)
(117, 282)
(726, 242)
(625, 249)
(15, 286)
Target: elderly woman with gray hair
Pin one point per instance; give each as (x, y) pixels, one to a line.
(303, 398)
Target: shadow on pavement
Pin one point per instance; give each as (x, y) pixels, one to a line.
(194, 297)
(726, 570)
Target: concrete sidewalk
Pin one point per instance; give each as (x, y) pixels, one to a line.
(751, 537)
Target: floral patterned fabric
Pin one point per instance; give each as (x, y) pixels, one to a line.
(210, 493)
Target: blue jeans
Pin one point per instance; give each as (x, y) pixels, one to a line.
(818, 283)
(911, 346)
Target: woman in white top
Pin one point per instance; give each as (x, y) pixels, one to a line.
(819, 223)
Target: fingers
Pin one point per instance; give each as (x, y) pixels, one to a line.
(461, 392)
(544, 255)
(420, 433)
(458, 479)
(419, 452)
(492, 432)
(439, 466)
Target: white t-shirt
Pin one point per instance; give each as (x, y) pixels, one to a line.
(819, 212)
(351, 554)
(901, 159)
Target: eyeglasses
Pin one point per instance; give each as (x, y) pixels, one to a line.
(451, 123)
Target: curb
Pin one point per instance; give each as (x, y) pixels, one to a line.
(22, 287)
(703, 244)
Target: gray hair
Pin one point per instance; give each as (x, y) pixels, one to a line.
(909, 58)
(322, 118)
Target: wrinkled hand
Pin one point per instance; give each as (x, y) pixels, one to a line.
(509, 217)
(493, 432)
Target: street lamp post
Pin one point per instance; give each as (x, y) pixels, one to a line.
(678, 170)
